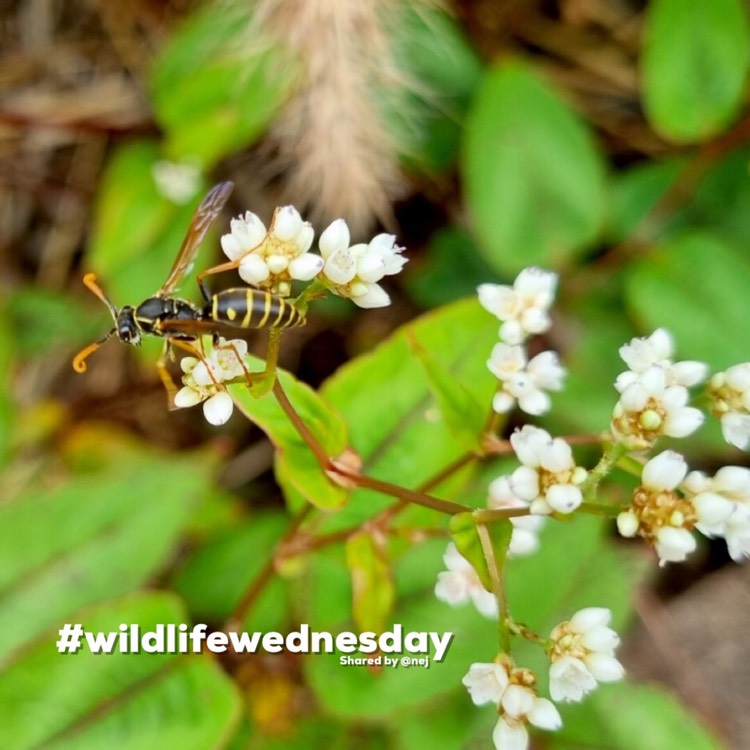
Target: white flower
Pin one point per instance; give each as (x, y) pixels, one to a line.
(203, 378)
(522, 381)
(524, 307)
(272, 259)
(657, 349)
(486, 683)
(549, 478)
(460, 584)
(659, 514)
(512, 691)
(729, 393)
(176, 181)
(582, 654)
(524, 539)
(722, 504)
(353, 271)
(649, 408)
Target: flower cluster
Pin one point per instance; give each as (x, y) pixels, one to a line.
(272, 259)
(548, 478)
(203, 378)
(524, 539)
(581, 652)
(513, 691)
(668, 504)
(524, 312)
(654, 393)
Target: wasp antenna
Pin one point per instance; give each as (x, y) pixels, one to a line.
(79, 361)
(90, 281)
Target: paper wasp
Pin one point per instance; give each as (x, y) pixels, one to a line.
(180, 322)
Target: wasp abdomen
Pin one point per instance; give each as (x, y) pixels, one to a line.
(251, 308)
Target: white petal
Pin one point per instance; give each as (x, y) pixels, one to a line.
(735, 428)
(371, 268)
(340, 267)
(604, 667)
(534, 402)
(535, 321)
(604, 640)
(544, 715)
(277, 263)
(304, 238)
(523, 541)
(528, 442)
(485, 602)
(253, 269)
(738, 376)
(503, 402)
(524, 482)
(497, 299)
(683, 422)
(486, 683)
(712, 508)
(187, 397)
(218, 408)
(335, 237)
(590, 618)
(634, 397)
(306, 267)
(511, 332)
(690, 372)
(452, 588)
(558, 456)
(375, 296)
(201, 374)
(517, 700)
(564, 498)
(287, 223)
(674, 545)
(537, 283)
(665, 471)
(569, 679)
(507, 737)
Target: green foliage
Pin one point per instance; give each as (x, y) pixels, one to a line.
(534, 178)
(135, 701)
(695, 61)
(468, 542)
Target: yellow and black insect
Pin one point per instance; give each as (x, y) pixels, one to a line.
(181, 322)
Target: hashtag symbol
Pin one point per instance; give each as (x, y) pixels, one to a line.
(70, 638)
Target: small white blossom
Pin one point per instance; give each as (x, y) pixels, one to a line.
(649, 408)
(272, 259)
(657, 349)
(486, 683)
(203, 378)
(548, 479)
(722, 503)
(525, 537)
(659, 514)
(582, 654)
(513, 692)
(176, 181)
(522, 381)
(729, 392)
(522, 308)
(460, 584)
(354, 271)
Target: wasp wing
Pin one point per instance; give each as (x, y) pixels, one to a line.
(194, 329)
(205, 215)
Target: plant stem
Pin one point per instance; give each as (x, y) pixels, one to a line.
(498, 589)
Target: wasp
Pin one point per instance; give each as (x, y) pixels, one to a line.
(181, 322)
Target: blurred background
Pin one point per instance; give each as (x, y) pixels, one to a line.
(608, 140)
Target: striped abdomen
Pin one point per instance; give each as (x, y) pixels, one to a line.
(251, 308)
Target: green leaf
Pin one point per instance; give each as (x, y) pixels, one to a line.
(694, 285)
(534, 177)
(439, 72)
(635, 193)
(464, 416)
(296, 461)
(218, 84)
(372, 585)
(695, 61)
(134, 701)
(137, 232)
(90, 538)
(213, 578)
(468, 542)
(623, 716)
(385, 398)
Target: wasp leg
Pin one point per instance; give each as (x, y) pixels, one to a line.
(228, 266)
(263, 382)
